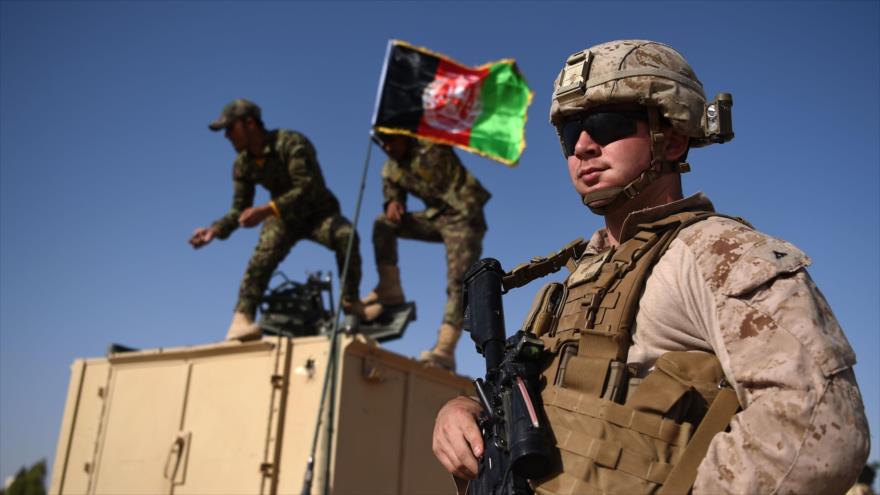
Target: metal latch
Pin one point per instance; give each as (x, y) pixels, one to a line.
(176, 457)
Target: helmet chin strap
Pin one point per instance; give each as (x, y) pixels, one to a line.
(658, 166)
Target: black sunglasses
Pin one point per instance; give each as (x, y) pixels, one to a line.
(603, 128)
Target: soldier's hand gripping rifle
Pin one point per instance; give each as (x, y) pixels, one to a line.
(515, 435)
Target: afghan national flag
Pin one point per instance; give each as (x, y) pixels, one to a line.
(430, 96)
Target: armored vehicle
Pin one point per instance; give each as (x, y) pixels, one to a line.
(233, 417)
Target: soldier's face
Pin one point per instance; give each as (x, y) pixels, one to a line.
(594, 166)
(236, 133)
(396, 146)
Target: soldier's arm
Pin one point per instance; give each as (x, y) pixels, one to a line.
(802, 428)
(302, 166)
(242, 199)
(392, 191)
(467, 199)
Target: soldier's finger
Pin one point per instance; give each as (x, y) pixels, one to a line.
(472, 434)
(445, 453)
(461, 473)
(462, 454)
(467, 466)
(457, 469)
(460, 462)
(445, 462)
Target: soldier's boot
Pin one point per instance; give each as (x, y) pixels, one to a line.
(357, 309)
(443, 353)
(372, 311)
(388, 291)
(243, 328)
(353, 306)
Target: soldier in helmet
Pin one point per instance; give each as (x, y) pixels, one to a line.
(286, 164)
(454, 202)
(671, 308)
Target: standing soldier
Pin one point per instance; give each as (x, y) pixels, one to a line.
(672, 307)
(454, 202)
(286, 164)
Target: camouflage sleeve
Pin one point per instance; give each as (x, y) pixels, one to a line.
(302, 166)
(802, 428)
(464, 194)
(391, 189)
(242, 199)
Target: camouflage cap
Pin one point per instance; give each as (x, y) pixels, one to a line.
(640, 72)
(236, 109)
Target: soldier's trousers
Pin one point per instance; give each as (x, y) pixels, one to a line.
(463, 239)
(277, 239)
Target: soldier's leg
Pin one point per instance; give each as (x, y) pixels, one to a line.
(385, 234)
(464, 244)
(413, 226)
(276, 240)
(334, 232)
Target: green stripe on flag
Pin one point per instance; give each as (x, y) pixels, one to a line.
(499, 131)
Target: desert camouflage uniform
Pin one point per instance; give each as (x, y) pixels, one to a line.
(304, 209)
(724, 288)
(454, 202)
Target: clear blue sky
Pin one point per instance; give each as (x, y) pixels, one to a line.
(107, 165)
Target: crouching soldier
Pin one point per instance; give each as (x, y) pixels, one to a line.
(454, 202)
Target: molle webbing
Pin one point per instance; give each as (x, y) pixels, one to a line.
(603, 308)
(613, 438)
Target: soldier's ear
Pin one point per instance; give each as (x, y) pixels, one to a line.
(676, 145)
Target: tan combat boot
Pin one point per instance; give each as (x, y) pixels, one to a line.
(388, 291)
(372, 311)
(361, 311)
(443, 354)
(243, 328)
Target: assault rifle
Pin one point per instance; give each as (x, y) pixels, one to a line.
(515, 435)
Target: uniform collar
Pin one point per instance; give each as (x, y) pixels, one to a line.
(698, 202)
(268, 146)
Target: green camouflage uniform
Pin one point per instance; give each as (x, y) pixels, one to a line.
(454, 202)
(305, 209)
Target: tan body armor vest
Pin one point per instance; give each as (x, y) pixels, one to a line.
(615, 432)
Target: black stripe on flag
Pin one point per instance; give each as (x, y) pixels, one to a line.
(409, 72)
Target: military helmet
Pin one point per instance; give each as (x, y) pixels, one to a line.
(647, 74)
(643, 73)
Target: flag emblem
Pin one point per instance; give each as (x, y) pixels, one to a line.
(452, 103)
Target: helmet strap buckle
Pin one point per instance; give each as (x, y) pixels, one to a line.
(658, 139)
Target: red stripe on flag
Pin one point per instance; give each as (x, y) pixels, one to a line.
(451, 103)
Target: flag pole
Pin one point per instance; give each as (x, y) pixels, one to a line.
(328, 389)
(382, 82)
